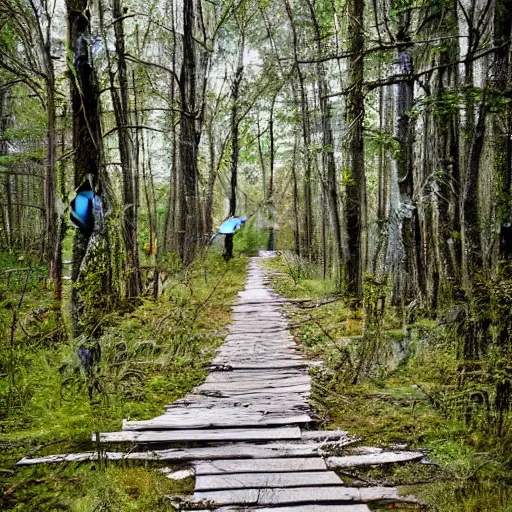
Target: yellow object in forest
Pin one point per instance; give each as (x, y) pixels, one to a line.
(150, 247)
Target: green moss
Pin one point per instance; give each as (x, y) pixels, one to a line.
(415, 399)
(151, 356)
(87, 487)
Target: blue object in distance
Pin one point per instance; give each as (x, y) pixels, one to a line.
(228, 227)
(81, 208)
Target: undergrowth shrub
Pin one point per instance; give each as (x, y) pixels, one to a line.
(250, 239)
(150, 356)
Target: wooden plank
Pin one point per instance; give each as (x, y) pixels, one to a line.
(266, 480)
(233, 451)
(248, 376)
(288, 402)
(197, 400)
(296, 508)
(253, 379)
(323, 435)
(251, 390)
(217, 420)
(260, 465)
(262, 434)
(310, 495)
(265, 373)
(264, 385)
(350, 461)
(317, 508)
(271, 365)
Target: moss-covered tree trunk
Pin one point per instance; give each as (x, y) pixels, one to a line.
(91, 272)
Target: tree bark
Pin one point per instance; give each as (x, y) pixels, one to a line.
(189, 223)
(120, 100)
(355, 180)
(235, 91)
(329, 166)
(87, 163)
(308, 221)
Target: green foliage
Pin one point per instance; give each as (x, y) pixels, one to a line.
(416, 389)
(249, 239)
(89, 487)
(151, 356)
(299, 278)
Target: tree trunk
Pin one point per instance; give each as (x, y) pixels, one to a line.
(308, 243)
(92, 286)
(189, 225)
(235, 90)
(329, 167)
(120, 100)
(4, 124)
(355, 180)
(271, 244)
(502, 125)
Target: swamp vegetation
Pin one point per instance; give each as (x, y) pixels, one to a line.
(368, 141)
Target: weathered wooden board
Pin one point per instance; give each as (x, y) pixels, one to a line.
(262, 434)
(323, 435)
(214, 400)
(237, 385)
(290, 402)
(233, 378)
(264, 375)
(216, 420)
(266, 480)
(260, 465)
(270, 365)
(297, 508)
(350, 461)
(312, 495)
(252, 391)
(223, 452)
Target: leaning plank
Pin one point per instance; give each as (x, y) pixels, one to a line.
(203, 421)
(260, 465)
(350, 461)
(66, 457)
(311, 495)
(262, 434)
(233, 451)
(266, 480)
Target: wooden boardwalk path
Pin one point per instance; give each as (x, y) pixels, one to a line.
(245, 431)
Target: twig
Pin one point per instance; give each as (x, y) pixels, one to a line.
(201, 305)
(321, 303)
(14, 322)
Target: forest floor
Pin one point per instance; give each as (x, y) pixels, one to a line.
(156, 351)
(400, 392)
